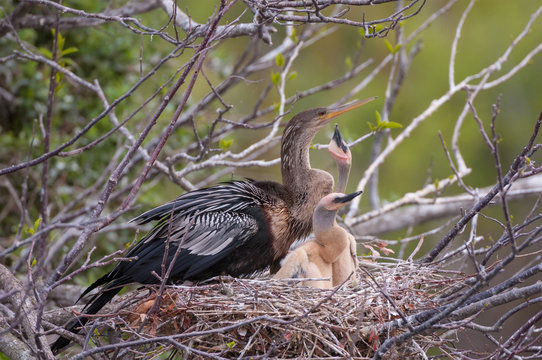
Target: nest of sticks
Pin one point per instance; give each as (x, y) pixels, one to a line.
(258, 318)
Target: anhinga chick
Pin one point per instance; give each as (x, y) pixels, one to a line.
(315, 258)
(347, 262)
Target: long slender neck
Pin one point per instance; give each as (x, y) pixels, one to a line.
(323, 219)
(294, 156)
(343, 170)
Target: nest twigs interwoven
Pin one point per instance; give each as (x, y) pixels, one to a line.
(257, 318)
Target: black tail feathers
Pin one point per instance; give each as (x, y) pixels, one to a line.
(95, 304)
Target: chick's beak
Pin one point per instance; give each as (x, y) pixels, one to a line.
(347, 198)
(338, 148)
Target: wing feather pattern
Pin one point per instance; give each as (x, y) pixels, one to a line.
(208, 225)
(226, 197)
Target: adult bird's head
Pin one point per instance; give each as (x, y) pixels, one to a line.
(302, 128)
(318, 117)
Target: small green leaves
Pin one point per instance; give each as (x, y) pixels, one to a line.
(293, 36)
(231, 344)
(382, 125)
(392, 125)
(70, 50)
(293, 75)
(225, 144)
(46, 52)
(33, 230)
(371, 30)
(392, 49)
(279, 60)
(275, 77)
(378, 118)
(348, 62)
(34, 262)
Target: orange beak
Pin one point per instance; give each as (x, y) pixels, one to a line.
(331, 113)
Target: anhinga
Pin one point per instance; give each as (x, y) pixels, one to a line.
(234, 228)
(316, 257)
(332, 253)
(347, 261)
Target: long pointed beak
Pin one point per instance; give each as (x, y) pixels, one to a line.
(331, 113)
(346, 198)
(338, 139)
(338, 148)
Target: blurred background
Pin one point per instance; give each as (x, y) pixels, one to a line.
(117, 57)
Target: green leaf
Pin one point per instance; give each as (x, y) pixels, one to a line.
(396, 48)
(36, 226)
(34, 262)
(68, 51)
(378, 119)
(372, 126)
(279, 60)
(64, 62)
(391, 125)
(293, 36)
(389, 46)
(348, 62)
(374, 29)
(61, 42)
(59, 87)
(275, 77)
(58, 77)
(225, 144)
(231, 344)
(276, 107)
(46, 52)
(293, 75)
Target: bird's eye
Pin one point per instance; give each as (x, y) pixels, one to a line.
(321, 113)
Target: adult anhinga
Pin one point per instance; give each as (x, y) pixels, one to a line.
(235, 228)
(316, 257)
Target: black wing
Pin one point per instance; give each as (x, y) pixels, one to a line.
(208, 225)
(227, 197)
(204, 239)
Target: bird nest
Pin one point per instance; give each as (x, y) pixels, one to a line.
(254, 318)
